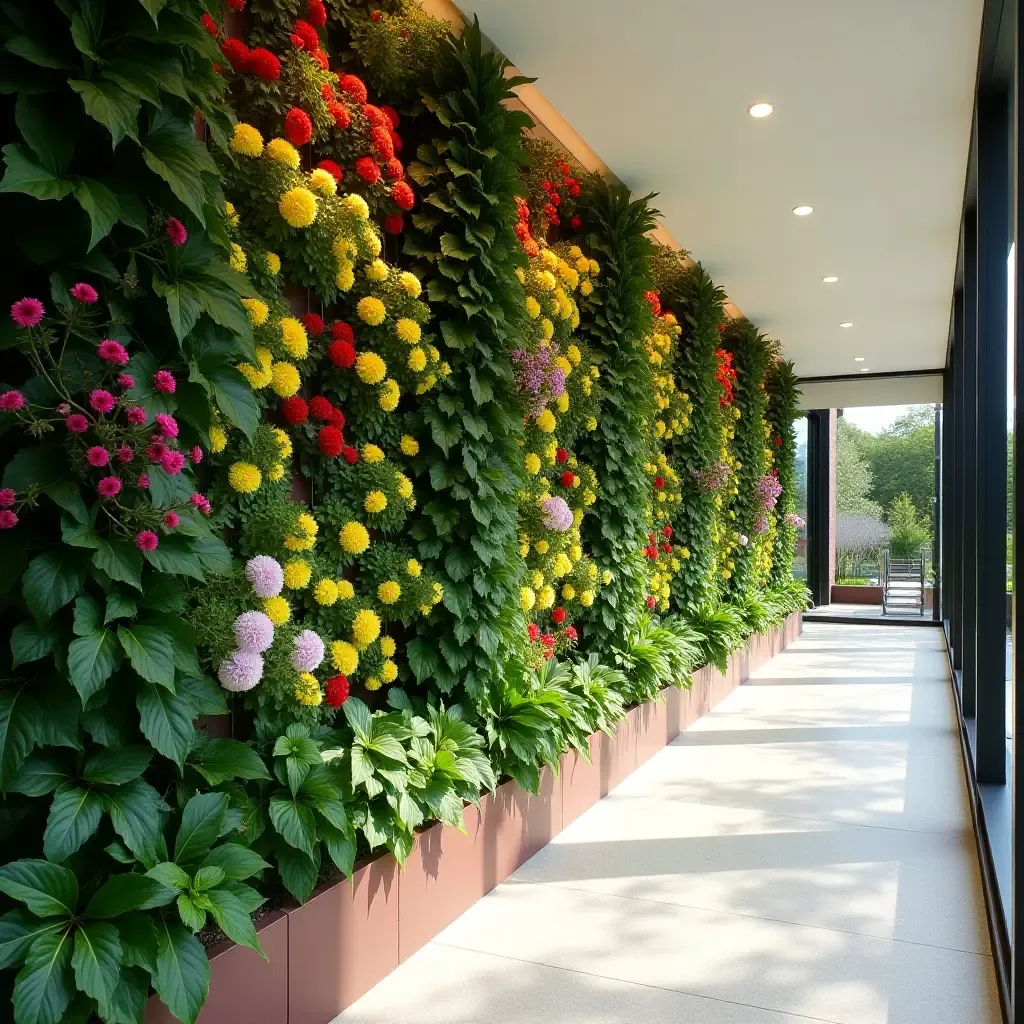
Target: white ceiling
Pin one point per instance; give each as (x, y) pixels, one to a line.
(871, 127)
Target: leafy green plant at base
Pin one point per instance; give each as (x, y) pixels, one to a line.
(657, 654)
(783, 401)
(720, 628)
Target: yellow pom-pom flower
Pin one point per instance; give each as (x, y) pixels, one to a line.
(403, 485)
(375, 501)
(283, 152)
(365, 628)
(244, 477)
(323, 182)
(546, 596)
(532, 307)
(409, 445)
(218, 439)
(371, 368)
(387, 646)
(389, 592)
(542, 547)
(568, 592)
(532, 463)
(354, 538)
(346, 276)
(238, 260)
(344, 657)
(587, 598)
(377, 270)
(297, 574)
(389, 395)
(277, 610)
(345, 590)
(410, 284)
(298, 206)
(273, 263)
(389, 671)
(372, 683)
(283, 442)
(408, 330)
(586, 288)
(286, 380)
(326, 592)
(546, 421)
(307, 524)
(371, 453)
(527, 598)
(293, 337)
(357, 205)
(371, 310)
(307, 690)
(562, 402)
(258, 311)
(246, 140)
(547, 329)
(417, 361)
(413, 568)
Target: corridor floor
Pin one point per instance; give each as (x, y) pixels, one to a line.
(803, 853)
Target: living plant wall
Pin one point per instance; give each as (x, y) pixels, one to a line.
(360, 452)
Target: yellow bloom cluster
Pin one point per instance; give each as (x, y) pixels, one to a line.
(354, 538)
(305, 537)
(244, 477)
(307, 690)
(344, 657)
(365, 628)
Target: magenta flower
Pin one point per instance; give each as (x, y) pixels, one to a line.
(109, 487)
(156, 451)
(166, 424)
(172, 520)
(77, 423)
(112, 351)
(125, 453)
(307, 652)
(201, 502)
(164, 382)
(125, 380)
(102, 400)
(241, 671)
(253, 632)
(8, 519)
(83, 292)
(175, 231)
(136, 415)
(197, 455)
(27, 312)
(146, 540)
(97, 456)
(144, 481)
(266, 575)
(6, 497)
(11, 401)
(173, 462)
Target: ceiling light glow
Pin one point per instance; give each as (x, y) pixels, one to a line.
(858, 359)
(803, 211)
(864, 369)
(831, 279)
(846, 323)
(762, 109)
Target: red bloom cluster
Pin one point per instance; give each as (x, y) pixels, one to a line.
(567, 478)
(298, 127)
(561, 455)
(259, 62)
(331, 441)
(342, 349)
(368, 170)
(568, 183)
(726, 376)
(522, 228)
(558, 615)
(320, 408)
(652, 300)
(316, 13)
(314, 324)
(394, 223)
(403, 195)
(353, 87)
(305, 36)
(338, 687)
(294, 410)
(333, 169)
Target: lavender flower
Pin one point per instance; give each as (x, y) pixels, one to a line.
(266, 575)
(767, 491)
(240, 671)
(557, 514)
(712, 478)
(253, 632)
(793, 520)
(308, 651)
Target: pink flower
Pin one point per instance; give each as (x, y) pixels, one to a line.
(171, 520)
(164, 382)
(102, 401)
(146, 540)
(11, 401)
(97, 456)
(83, 293)
(125, 453)
(108, 487)
(8, 519)
(112, 351)
(175, 231)
(125, 380)
(166, 424)
(196, 455)
(27, 312)
(136, 415)
(156, 451)
(63, 408)
(6, 497)
(202, 503)
(173, 462)
(144, 481)
(77, 423)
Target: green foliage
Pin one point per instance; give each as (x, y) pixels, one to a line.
(654, 655)
(908, 534)
(469, 451)
(615, 323)
(854, 478)
(902, 460)
(783, 402)
(721, 630)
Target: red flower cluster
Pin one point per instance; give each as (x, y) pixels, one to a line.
(333, 169)
(294, 410)
(567, 478)
(403, 195)
(331, 441)
(259, 62)
(558, 615)
(383, 148)
(652, 300)
(320, 408)
(305, 36)
(568, 183)
(338, 690)
(314, 324)
(368, 170)
(353, 87)
(394, 223)
(522, 228)
(298, 127)
(726, 376)
(210, 25)
(561, 455)
(342, 349)
(316, 13)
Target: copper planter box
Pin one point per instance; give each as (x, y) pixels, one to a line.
(350, 934)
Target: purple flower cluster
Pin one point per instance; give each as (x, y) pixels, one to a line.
(253, 632)
(266, 575)
(308, 651)
(760, 523)
(767, 491)
(712, 477)
(557, 514)
(795, 521)
(240, 671)
(537, 378)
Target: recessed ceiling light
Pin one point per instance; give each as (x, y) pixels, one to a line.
(803, 211)
(846, 323)
(760, 109)
(858, 359)
(831, 279)
(864, 369)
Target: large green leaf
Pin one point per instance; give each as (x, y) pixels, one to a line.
(37, 465)
(91, 661)
(97, 961)
(121, 560)
(206, 696)
(341, 846)
(294, 822)
(222, 759)
(30, 641)
(182, 976)
(19, 731)
(183, 307)
(122, 893)
(166, 721)
(235, 399)
(18, 930)
(42, 773)
(48, 890)
(108, 103)
(87, 615)
(24, 174)
(171, 150)
(129, 1002)
(150, 652)
(138, 938)
(233, 918)
(175, 556)
(136, 811)
(236, 861)
(44, 986)
(44, 130)
(116, 767)
(298, 870)
(101, 205)
(201, 824)
(52, 579)
(74, 816)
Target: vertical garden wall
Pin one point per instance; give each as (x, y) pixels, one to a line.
(359, 451)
